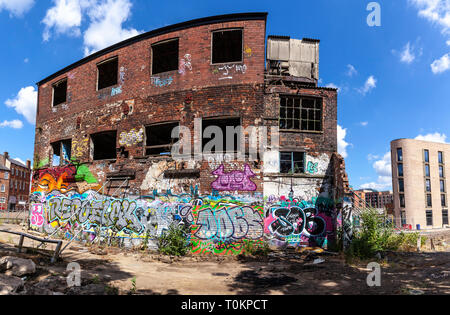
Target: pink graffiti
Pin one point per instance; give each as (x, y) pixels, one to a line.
(37, 218)
(235, 180)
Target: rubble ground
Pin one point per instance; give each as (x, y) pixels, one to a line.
(115, 271)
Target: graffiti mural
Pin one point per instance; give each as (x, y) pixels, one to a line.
(131, 138)
(234, 181)
(301, 223)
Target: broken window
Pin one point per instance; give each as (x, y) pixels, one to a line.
(60, 92)
(227, 128)
(165, 56)
(292, 162)
(62, 152)
(104, 146)
(159, 138)
(300, 113)
(227, 46)
(107, 73)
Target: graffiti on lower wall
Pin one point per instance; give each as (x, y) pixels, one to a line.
(300, 223)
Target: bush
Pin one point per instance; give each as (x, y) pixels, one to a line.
(256, 248)
(376, 235)
(173, 242)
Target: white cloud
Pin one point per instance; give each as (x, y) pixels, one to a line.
(16, 7)
(370, 84)
(383, 169)
(106, 25)
(65, 17)
(364, 123)
(407, 55)
(433, 137)
(25, 103)
(448, 42)
(435, 11)
(351, 70)
(15, 124)
(441, 65)
(342, 144)
(106, 18)
(372, 157)
(333, 86)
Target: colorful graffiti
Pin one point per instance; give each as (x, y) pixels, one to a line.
(185, 63)
(235, 180)
(131, 138)
(300, 222)
(160, 82)
(312, 168)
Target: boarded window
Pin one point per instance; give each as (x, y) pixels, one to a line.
(108, 73)
(227, 46)
(300, 113)
(60, 92)
(62, 152)
(159, 138)
(104, 145)
(165, 56)
(212, 129)
(292, 162)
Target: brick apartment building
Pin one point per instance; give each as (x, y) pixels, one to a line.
(104, 128)
(419, 179)
(15, 183)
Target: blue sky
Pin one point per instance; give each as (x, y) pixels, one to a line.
(393, 79)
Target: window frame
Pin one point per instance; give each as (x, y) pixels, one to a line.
(212, 46)
(174, 141)
(98, 72)
(66, 79)
(292, 161)
(152, 55)
(302, 97)
(429, 216)
(92, 145)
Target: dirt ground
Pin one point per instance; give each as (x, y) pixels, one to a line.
(280, 273)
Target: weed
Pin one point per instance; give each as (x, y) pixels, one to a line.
(173, 241)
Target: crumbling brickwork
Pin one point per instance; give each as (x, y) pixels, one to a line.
(226, 201)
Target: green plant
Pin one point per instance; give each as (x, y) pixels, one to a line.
(256, 248)
(133, 286)
(377, 235)
(110, 290)
(173, 241)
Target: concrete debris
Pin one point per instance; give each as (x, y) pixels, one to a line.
(18, 267)
(10, 285)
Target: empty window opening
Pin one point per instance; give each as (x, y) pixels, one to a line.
(104, 145)
(62, 152)
(228, 128)
(292, 162)
(60, 92)
(227, 46)
(299, 113)
(159, 139)
(165, 56)
(107, 73)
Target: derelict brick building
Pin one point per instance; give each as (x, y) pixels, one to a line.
(104, 137)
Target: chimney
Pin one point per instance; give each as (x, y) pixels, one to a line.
(28, 164)
(6, 154)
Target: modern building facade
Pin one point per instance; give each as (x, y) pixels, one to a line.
(372, 198)
(104, 138)
(15, 183)
(419, 174)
